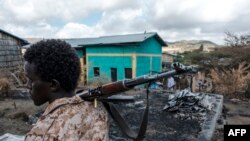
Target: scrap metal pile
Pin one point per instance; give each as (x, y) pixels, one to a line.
(188, 105)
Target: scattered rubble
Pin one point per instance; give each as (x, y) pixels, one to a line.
(191, 117)
(187, 105)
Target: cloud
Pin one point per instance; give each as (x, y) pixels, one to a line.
(76, 30)
(41, 30)
(173, 20)
(65, 10)
(212, 18)
(186, 14)
(122, 21)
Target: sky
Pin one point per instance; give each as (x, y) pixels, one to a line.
(173, 20)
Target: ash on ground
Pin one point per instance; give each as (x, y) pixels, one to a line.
(172, 117)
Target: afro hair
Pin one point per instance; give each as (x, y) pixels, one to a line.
(55, 59)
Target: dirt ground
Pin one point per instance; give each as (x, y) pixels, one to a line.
(162, 124)
(234, 112)
(14, 115)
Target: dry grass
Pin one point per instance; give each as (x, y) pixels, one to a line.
(4, 87)
(20, 75)
(231, 82)
(237, 54)
(5, 83)
(11, 80)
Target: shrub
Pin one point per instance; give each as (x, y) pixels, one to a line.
(4, 86)
(231, 82)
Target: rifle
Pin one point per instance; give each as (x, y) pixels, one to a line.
(113, 88)
(104, 92)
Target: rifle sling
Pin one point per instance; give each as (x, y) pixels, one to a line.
(120, 121)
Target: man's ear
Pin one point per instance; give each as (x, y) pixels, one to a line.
(55, 85)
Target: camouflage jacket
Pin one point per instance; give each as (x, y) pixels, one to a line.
(71, 119)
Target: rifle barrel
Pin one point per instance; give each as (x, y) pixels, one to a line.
(109, 89)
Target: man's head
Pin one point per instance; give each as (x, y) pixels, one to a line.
(51, 65)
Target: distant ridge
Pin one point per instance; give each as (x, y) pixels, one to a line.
(189, 45)
(192, 42)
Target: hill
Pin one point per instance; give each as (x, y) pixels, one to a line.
(189, 45)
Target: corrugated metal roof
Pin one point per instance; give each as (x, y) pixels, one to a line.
(121, 39)
(112, 40)
(75, 42)
(24, 42)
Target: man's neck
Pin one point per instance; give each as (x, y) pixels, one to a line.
(60, 94)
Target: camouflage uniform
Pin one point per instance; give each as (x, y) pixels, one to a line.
(71, 119)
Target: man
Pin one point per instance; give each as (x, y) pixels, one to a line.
(171, 83)
(53, 68)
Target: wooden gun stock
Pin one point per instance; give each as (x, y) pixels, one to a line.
(109, 89)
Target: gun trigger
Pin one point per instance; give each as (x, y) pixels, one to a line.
(95, 102)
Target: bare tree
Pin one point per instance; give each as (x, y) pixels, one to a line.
(236, 40)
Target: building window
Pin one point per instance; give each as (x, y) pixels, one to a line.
(128, 73)
(113, 74)
(96, 71)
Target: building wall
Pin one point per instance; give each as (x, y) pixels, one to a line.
(150, 46)
(148, 57)
(111, 49)
(106, 62)
(143, 65)
(79, 53)
(157, 64)
(10, 53)
(143, 59)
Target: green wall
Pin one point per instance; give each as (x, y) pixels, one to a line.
(111, 49)
(156, 64)
(150, 46)
(79, 52)
(142, 65)
(101, 56)
(106, 63)
(146, 64)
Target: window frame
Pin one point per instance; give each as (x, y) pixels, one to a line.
(128, 73)
(96, 71)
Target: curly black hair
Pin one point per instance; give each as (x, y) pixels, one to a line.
(55, 59)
